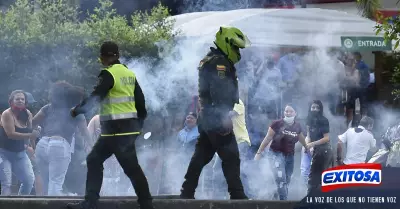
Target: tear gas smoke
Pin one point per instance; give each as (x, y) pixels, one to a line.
(223, 5)
(169, 85)
(174, 80)
(214, 5)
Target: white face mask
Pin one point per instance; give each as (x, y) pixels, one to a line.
(288, 119)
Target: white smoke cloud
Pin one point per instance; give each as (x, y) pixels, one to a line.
(175, 79)
(224, 5)
(172, 79)
(214, 5)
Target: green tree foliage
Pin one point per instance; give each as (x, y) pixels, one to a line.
(393, 65)
(391, 32)
(368, 8)
(390, 27)
(45, 41)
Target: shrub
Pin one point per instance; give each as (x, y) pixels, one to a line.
(45, 41)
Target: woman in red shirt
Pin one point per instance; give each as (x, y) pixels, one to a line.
(284, 134)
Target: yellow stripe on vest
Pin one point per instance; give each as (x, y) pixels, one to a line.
(122, 134)
(118, 100)
(118, 116)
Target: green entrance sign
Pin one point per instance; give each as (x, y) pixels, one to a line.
(364, 43)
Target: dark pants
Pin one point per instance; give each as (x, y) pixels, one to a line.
(322, 159)
(227, 149)
(76, 175)
(123, 147)
(332, 99)
(219, 184)
(361, 94)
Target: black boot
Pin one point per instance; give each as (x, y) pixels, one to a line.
(82, 205)
(241, 197)
(186, 196)
(238, 196)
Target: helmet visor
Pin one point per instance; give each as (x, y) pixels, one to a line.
(241, 41)
(247, 42)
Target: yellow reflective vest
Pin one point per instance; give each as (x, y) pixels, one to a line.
(120, 101)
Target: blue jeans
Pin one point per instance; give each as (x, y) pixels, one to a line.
(305, 165)
(21, 165)
(282, 168)
(53, 156)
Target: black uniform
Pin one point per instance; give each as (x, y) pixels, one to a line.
(218, 92)
(123, 147)
(322, 157)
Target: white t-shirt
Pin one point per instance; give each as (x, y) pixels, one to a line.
(372, 78)
(357, 145)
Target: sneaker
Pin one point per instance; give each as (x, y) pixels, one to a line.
(82, 205)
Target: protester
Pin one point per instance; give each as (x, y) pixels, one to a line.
(30, 150)
(238, 117)
(305, 163)
(283, 134)
(75, 179)
(357, 141)
(318, 133)
(187, 137)
(261, 97)
(364, 72)
(55, 147)
(16, 132)
(351, 83)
